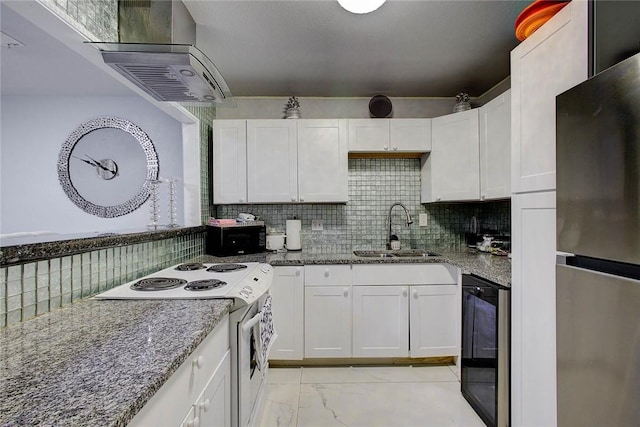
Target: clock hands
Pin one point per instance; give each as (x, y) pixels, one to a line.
(84, 160)
(93, 162)
(100, 165)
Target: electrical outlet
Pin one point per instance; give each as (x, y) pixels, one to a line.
(423, 220)
(317, 225)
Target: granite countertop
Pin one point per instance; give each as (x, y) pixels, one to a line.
(97, 362)
(491, 267)
(19, 250)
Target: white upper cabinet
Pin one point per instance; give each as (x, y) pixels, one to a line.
(229, 161)
(272, 161)
(549, 62)
(295, 161)
(495, 148)
(368, 135)
(323, 170)
(453, 168)
(390, 135)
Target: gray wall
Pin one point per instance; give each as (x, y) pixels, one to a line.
(33, 131)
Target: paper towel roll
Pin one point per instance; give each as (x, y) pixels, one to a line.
(294, 227)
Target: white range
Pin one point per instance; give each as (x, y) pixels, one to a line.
(244, 282)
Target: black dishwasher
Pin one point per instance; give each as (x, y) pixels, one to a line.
(485, 379)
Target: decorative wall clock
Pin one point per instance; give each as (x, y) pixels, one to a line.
(106, 167)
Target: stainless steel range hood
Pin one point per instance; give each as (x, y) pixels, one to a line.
(156, 52)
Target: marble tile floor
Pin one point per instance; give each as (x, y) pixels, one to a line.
(398, 396)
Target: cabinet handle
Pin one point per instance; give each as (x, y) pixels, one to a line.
(438, 199)
(404, 292)
(241, 200)
(205, 405)
(298, 273)
(386, 148)
(415, 294)
(326, 272)
(198, 362)
(293, 199)
(395, 148)
(302, 199)
(482, 197)
(346, 292)
(194, 422)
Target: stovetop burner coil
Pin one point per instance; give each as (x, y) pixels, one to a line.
(157, 284)
(225, 268)
(205, 285)
(190, 266)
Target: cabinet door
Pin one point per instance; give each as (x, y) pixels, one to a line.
(550, 61)
(533, 357)
(410, 135)
(495, 148)
(287, 293)
(327, 321)
(322, 160)
(434, 327)
(368, 135)
(272, 161)
(455, 166)
(380, 321)
(213, 408)
(229, 161)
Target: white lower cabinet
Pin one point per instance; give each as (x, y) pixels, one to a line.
(327, 311)
(327, 321)
(199, 392)
(287, 294)
(380, 321)
(408, 310)
(433, 320)
(213, 407)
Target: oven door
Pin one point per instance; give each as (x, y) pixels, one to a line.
(248, 375)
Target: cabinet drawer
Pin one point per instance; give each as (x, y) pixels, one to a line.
(405, 274)
(172, 401)
(319, 275)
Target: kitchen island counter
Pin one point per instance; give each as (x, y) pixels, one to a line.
(98, 362)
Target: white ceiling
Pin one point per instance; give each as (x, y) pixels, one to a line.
(419, 48)
(427, 48)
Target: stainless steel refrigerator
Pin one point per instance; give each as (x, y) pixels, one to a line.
(598, 227)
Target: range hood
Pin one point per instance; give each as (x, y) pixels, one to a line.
(156, 52)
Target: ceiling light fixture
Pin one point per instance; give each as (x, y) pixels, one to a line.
(361, 6)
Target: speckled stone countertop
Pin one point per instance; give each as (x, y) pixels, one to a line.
(96, 363)
(35, 248)
(491, 267)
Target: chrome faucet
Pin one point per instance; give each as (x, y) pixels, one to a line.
(409, 222)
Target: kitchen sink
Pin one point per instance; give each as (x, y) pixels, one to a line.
(406, 253)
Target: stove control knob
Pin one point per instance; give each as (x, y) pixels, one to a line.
(266, 268)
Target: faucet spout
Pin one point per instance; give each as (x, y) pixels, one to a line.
(409, 221)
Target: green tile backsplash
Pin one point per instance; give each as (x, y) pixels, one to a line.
(374, 185)
(35, 288)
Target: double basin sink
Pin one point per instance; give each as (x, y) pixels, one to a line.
(403, 253)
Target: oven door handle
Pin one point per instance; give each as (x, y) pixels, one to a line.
(246, 327)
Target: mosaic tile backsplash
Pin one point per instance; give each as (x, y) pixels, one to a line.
(35, 288)
(95, 19)
(374, 185)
